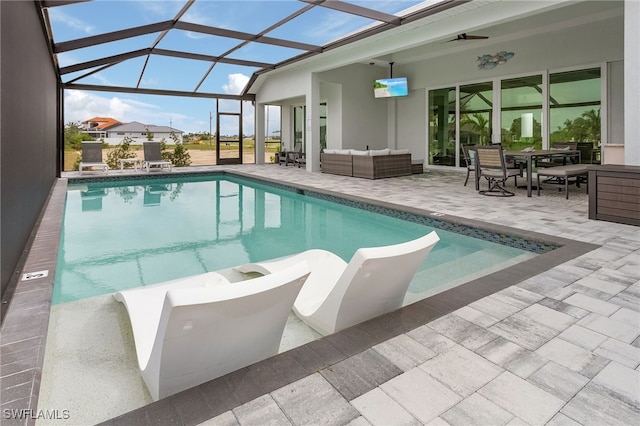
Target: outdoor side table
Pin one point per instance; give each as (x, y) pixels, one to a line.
(133, 161)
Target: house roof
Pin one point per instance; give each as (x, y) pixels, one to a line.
(137, 127)
(103, 122)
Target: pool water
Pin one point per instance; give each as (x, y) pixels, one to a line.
(124, 234)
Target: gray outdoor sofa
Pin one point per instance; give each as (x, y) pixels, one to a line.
(373, 164)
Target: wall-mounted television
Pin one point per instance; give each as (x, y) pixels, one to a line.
(390, 87)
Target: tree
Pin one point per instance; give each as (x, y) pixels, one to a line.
(479, 122)
(592, 123)
(180, 156)
(585, 128)
(73, 136)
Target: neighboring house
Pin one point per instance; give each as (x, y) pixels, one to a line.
(140, 132)
(96, 127)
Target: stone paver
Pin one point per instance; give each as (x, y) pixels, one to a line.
(405, 352)
(262, 410)
(530, 403)
(551, 318)
(573, 357)
(620, 352)
(524, 332)
(495, 307)
(462, 331)
(380, 410)
(582, 337)
(558, 380)
(610, 327)
(512, 357)
(420, 394)
(461, 370)
(591, 304)
(313, 400)
(477, 410)
(596, 405)
(622, 380)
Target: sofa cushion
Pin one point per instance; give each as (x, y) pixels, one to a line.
(399, 151)
(329, 151)
(385, 151)
(358, 152)
(343, 151)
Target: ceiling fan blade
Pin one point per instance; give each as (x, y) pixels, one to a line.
(465, 36)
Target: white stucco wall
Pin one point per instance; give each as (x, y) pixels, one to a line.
(632, 83)
(363, 116)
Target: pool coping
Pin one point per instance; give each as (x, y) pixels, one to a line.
(25, 322)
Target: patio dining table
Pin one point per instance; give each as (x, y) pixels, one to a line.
(529, 156)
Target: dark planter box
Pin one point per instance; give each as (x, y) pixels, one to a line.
(614, 193)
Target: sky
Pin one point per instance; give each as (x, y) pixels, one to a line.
(318, 27)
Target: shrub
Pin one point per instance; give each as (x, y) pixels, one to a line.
(76, 164)
(122, 150)
(180, 156)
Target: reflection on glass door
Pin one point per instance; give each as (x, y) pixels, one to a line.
(298, 128)
(521, 114)
(323, 125)
(442, 127)
(476, 113)
(574, 110)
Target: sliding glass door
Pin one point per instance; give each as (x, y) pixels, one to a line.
(298, 127)
(476, 113)
(442, 127)
(512, 111)
(574, 110)
(521, 114)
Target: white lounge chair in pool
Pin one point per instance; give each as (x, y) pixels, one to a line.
(338, 295)
(192, 330)
(92, 156)
(153, 156)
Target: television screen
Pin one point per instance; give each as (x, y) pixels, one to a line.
(390, 87)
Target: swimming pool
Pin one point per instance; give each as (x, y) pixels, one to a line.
(120, 234)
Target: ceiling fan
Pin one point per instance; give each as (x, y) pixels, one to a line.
(465, 36)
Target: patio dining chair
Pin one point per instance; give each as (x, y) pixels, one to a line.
(492, 166)
(561, 158)
(290, 157)
(468, 154)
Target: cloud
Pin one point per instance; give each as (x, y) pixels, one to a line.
(58, 16)
(235, 84)
(161, 8)
(80, 106)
